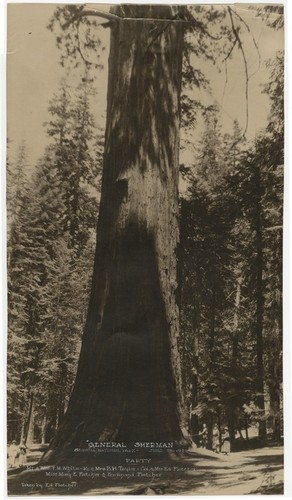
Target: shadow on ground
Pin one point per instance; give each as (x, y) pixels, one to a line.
(197, 473)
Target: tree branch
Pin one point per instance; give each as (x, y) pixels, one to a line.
(87, 63)
(253, 39)
(91, 12)
(225, 65)
(113, 17)
(235, 32)
(274, 228)
(198, 25)
(226, 78)
(230, 51)
(100, 13)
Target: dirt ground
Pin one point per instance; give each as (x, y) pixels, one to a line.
(201, 472)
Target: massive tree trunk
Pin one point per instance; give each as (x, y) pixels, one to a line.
(128, 384)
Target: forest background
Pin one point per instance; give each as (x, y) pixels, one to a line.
(75, 241)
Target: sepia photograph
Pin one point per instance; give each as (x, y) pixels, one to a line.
(144, 202)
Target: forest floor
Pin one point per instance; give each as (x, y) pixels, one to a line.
(201, 472)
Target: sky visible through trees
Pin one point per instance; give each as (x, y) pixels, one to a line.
(29, 39)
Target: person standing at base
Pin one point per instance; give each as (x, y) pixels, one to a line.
(22, 454)
(215, 439)
(13, 452)
(225, 448)
(204, 436)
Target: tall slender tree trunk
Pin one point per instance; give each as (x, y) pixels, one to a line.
(189, 343)
(234, 360)
(44, 429)
(259, 303)
(128, 384)
(234, 355)
(212, 323)
(29, 427)
(22, 430)
(275, 379)
(61, 398)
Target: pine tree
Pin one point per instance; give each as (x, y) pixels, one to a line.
(71, 128)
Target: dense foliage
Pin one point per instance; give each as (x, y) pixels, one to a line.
(52, 216)
(231, 274)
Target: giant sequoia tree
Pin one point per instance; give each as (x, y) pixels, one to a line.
(128, 383)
